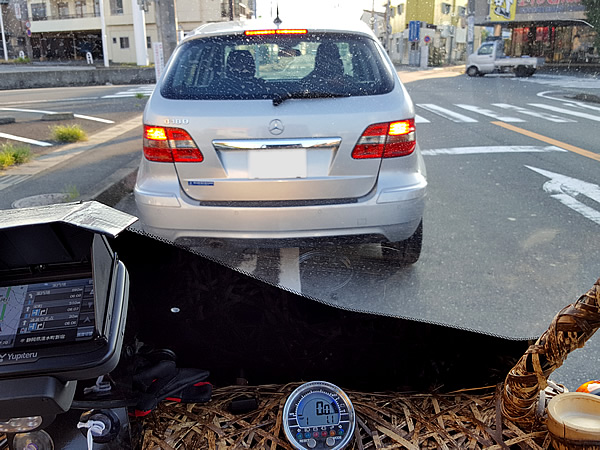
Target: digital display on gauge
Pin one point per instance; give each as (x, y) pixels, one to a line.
(46, 313)
(320, 409)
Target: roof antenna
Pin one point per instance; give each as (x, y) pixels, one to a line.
(277, 20)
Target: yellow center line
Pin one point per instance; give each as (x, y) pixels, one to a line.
(548, 140)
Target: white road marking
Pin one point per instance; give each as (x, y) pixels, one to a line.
(419, 119)
(24, 139)
(571, 103)
(248, 265)
(9, 180)
(446, 113)
(582, 105)
(488, 113)
(566, 111)
(96, 119)
(495, 149)
(565, 189)
(289, 269)
(34, 111)
(563, 81)
(75, 99)
(38, 111)
(145, 90)
(540, 115)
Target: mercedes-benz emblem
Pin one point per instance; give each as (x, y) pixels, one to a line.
(276, 126)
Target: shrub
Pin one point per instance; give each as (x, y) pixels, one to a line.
(20, 152)
(68, 133)
(11, 154)
(6, 159)
(72, 192)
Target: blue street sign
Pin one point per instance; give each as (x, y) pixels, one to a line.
(414, 30)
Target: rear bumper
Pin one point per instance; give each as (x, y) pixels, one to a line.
(392, 214)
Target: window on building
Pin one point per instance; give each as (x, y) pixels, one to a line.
(124, 42)
(63, 10)
(446, 7)
(223, 10)
(148, 42)
(80, 8)
(116, 7)
(400, 8)
(114, 40)
(96, 8)
(462, 11)
(38, 11)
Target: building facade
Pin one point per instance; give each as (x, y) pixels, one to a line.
(555, 30)
(67, 30)
(442, 31)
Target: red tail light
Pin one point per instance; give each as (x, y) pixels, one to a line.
(386, 140)
(164, 144)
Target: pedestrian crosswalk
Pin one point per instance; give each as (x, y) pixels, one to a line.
(567, 112)
(145, 90)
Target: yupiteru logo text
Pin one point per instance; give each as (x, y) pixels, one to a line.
(16, 357)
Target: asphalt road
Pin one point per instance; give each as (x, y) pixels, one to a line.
(110, 116)
(511, 223)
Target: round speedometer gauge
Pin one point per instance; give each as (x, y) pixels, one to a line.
(318, 415)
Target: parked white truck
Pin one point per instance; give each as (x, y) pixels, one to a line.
(490, 58)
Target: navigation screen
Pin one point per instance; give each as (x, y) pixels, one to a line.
(46, 313)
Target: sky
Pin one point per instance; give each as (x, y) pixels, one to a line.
(308, 8)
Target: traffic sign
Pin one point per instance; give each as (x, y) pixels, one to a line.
(28, 32)
(414, 30)
(427, 39)
(28, 24)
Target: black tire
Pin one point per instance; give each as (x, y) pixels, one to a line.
(530, 71)
(521, 71)
(472, 71)
(404, 252)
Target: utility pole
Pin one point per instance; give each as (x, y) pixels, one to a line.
(372, 20)
(166, 22)
(470, 26)
(388, 27)
(103, 34)
(3, 36)
(138, 11)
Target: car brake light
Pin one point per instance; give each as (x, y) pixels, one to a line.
(386, 140)
(269, 32)
(164, 144)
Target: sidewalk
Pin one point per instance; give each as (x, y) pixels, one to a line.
(42, 67)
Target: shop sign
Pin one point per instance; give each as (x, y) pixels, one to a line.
(548, 6)
(503, 10)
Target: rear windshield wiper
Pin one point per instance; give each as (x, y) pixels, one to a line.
(279, 98)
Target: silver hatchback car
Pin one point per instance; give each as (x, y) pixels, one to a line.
(283, 133)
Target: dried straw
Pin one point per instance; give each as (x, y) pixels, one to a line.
(465, 419)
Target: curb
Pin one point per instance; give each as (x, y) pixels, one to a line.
(116, 191)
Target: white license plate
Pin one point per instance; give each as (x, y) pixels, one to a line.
(277, 163)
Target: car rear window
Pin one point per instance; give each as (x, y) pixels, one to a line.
(276, 67)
